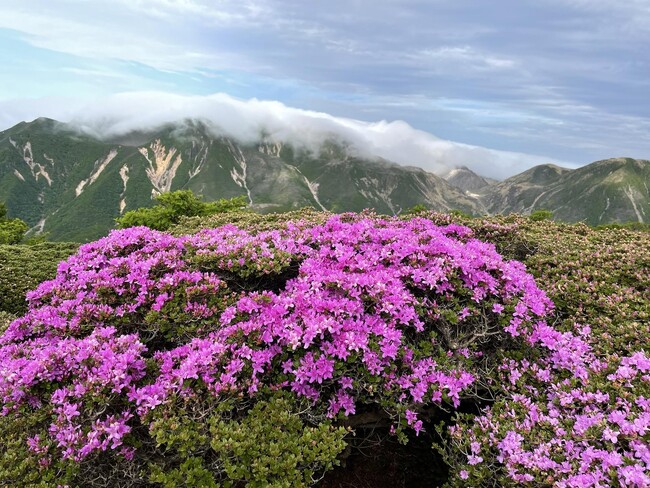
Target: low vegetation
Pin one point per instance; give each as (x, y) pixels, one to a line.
(23, 267)
(171, 358)
(171, 207)
(12, 231)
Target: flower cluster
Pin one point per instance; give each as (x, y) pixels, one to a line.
(354, 311)
(554, 430)
(590, 428)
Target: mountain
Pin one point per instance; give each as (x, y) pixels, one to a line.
(465, 179)
(518, 194)
(73, 185)
(611, 190)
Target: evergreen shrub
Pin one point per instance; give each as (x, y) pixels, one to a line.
(23, 267)
(156, 357)
(249, 355)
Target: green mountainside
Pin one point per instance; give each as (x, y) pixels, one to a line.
(608, 191)
(73, 185)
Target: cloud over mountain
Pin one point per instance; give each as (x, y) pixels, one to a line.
(248, 120)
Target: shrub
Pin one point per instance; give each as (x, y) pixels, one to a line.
(416, 209)
(460, 214)
(550, 429)
(12, 231)
(541, 214)
(171, 207)
(252, 222)
(23, 267)
(634, 226)
(269, 446)
(165, 359)
(154, 356)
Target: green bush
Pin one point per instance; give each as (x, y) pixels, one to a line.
(416, 209)
(12, 231)
(269, 444)
(23, 267)
(251, 221)
(541, 214)
(171, 207)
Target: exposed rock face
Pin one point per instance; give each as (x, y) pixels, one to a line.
(37, 170)
(163, 164)
(124, 174)
(98, 168)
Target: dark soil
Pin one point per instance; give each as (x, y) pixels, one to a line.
(384, 462)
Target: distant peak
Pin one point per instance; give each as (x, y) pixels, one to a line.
(45, 122)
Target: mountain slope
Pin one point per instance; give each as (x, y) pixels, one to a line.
(466, 180)
(611, 190)
(519, 194)
(73, 185)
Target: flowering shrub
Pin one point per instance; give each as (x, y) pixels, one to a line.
(550, 429)
(171, 359)
(562, 431)
(147, 347)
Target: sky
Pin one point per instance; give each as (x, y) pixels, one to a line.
(564, 81)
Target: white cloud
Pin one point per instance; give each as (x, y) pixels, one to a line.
(521, 67)
(225, 13)
(102, 32)
(246, 120)
(462, 56)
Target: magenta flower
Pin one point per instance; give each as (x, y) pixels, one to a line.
(384, 313)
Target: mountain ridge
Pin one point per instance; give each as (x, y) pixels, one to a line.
(72, 184)
(605, 191)
(51, 174)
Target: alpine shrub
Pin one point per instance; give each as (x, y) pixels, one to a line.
(154, 357)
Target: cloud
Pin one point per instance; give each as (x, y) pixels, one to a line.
(565, 78)
(460, 57)
(152, 36)
(247, 120)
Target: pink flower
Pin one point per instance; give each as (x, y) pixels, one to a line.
(610, 435)
(346, 327)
